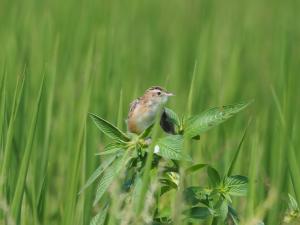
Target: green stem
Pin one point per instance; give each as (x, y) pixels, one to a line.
(215, 221)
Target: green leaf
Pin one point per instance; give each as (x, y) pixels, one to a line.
(194, 168)
(294, 170)
(162, 221)
(198, 213)
(233, 161)
(194, 195)
(165, 189)
(233, 215)
(146, 132)
(222, 209)
(23, 171)
(213, 176)
(110, 152)
(2, 105)
(170, 147)
(197, 137)
(227, 197)
(97, 173)
(137, 190)
(109, 176)
(190, 196)
(109, 129)
(237, 185)
(198, 124)
(293, 205)
(8, 143)
(112, 148)
(99, 219)
(172, 117)
(168, 183)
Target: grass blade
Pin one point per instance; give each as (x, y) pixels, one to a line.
(237, 152)
(18, 195)
(10, 131)
(2, 108)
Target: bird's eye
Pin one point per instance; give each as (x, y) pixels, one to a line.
(159, 93)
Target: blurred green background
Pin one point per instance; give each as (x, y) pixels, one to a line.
(92, 52)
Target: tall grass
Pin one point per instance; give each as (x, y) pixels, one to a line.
(97, 56)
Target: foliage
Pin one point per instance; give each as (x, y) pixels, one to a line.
(292, 216)
(204, 203)
(97, 56)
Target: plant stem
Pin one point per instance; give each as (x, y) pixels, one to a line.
(215, 221)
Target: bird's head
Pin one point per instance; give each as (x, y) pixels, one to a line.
(157, 95)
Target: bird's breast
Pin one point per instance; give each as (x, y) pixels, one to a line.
(142, 118)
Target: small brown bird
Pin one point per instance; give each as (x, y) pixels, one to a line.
(144, 110)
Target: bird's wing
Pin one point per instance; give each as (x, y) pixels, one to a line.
(133, 106)
(166, 123)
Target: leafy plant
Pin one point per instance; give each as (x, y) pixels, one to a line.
(128, 155)
(292, 216)
(214, 200)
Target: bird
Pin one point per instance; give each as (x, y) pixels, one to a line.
(144, 110)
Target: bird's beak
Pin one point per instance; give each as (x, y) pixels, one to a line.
(170, 94)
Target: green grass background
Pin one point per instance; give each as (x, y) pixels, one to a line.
(92, 52)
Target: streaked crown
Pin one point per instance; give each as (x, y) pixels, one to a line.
(158, 91)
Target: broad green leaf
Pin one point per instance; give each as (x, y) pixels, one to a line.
(106, 163)
(170, 147)
(222, 209)
(109, 129)
(196, 125)
(194, 168)
(213, 176)
(99, 219)
(194, 195)
(198, 213)
(172, 116)
(236, 185)
(190, 196)
(109, 176)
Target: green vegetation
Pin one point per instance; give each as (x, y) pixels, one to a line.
(135, 153)
(60, 60)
